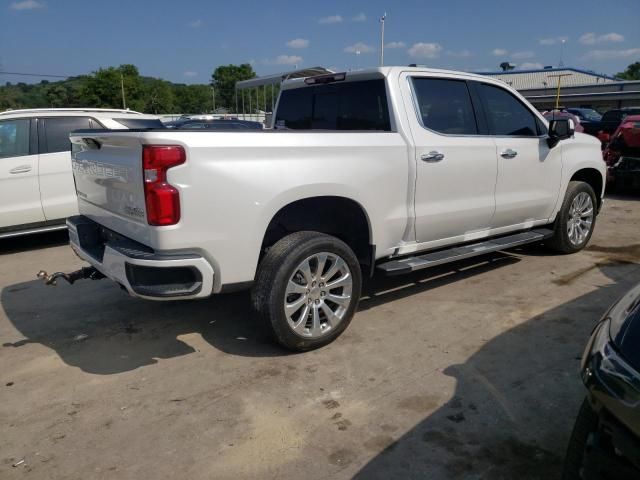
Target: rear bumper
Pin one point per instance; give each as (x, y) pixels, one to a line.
(140, 270)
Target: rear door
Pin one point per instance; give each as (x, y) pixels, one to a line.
(455, 160)
(19, 188)
(57, 189)
(529, 172)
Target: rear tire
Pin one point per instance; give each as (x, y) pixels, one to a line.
(307, 289)
(576, 219)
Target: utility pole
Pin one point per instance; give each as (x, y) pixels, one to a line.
(561, 64)
(124, 101)
(213, 99)
(382, 19)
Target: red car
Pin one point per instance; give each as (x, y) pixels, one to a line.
(622, 154)
(564, 114)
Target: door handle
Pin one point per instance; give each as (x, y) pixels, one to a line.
(432, 156)
(508, 153)
(21, 169)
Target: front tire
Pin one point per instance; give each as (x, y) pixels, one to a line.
(307, 289)
(576, 219)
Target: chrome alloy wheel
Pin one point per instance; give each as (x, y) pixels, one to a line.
(318, 295)
(580, 218)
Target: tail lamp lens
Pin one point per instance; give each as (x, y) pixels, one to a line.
(161, 198)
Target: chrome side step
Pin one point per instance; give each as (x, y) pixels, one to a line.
(411, 264)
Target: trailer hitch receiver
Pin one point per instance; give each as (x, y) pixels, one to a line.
(84, 273)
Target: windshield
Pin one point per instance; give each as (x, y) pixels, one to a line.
(591, 114)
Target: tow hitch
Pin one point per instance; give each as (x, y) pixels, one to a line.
(85, 272)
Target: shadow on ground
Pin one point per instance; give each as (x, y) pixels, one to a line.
(515, 401)
(97, 327)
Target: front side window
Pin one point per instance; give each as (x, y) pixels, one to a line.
(14, 138)
(445, 106)
(56, 132)
(506, 114)
(336, 106)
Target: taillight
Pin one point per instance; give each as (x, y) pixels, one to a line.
(161, 198)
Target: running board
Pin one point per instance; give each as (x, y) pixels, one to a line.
(411, 264)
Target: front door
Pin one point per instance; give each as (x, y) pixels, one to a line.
(456, 166)
(19, 187)
(529, 172)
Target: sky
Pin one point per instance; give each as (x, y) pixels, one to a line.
(183, 41)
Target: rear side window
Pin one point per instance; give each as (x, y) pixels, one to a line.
(14, 138)
(56, 132)
(336, 106)
(506, 114)
(445, 106)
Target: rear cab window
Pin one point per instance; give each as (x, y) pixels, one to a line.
(356, 106)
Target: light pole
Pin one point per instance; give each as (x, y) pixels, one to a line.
(213, 95)
(382, 19)
(124, 102)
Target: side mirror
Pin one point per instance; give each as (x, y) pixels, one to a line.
(560, 129)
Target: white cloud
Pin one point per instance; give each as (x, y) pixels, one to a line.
(26, 5)
(522, 55)
(359, 47)
(462, 53)
(298, 43)
(552, 40)
(425, 50)
(612, 54)
(361, 17)
(331, 19)
(499, 52)
(530, 66)
(190, 73)
(591, 38)
(195, 23)
(395, 45)
(286, 60)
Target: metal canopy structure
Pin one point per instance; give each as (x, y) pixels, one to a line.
(278, 78)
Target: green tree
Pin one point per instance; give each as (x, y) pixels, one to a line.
(159, 96)
(632, 72)
(104, 88)
(224, 79)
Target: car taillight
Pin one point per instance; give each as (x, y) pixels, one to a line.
(161, 198)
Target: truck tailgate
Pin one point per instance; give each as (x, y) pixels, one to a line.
(107, 167)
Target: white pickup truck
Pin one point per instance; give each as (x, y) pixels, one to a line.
(390, 169)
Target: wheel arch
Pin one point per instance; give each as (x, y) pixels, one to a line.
(592, 177)
(335, 215)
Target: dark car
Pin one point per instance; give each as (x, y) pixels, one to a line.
(586, 115)
(610, 121)
(605, 442)
(214, 125)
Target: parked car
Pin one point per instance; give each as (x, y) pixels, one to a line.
(610, 121)
(605, 442)
(622, 155)
(215, 124)
(557, 114)
(389, 169)
(587, 116)
(37, 193)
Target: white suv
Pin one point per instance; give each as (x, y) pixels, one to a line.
(37, 191)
